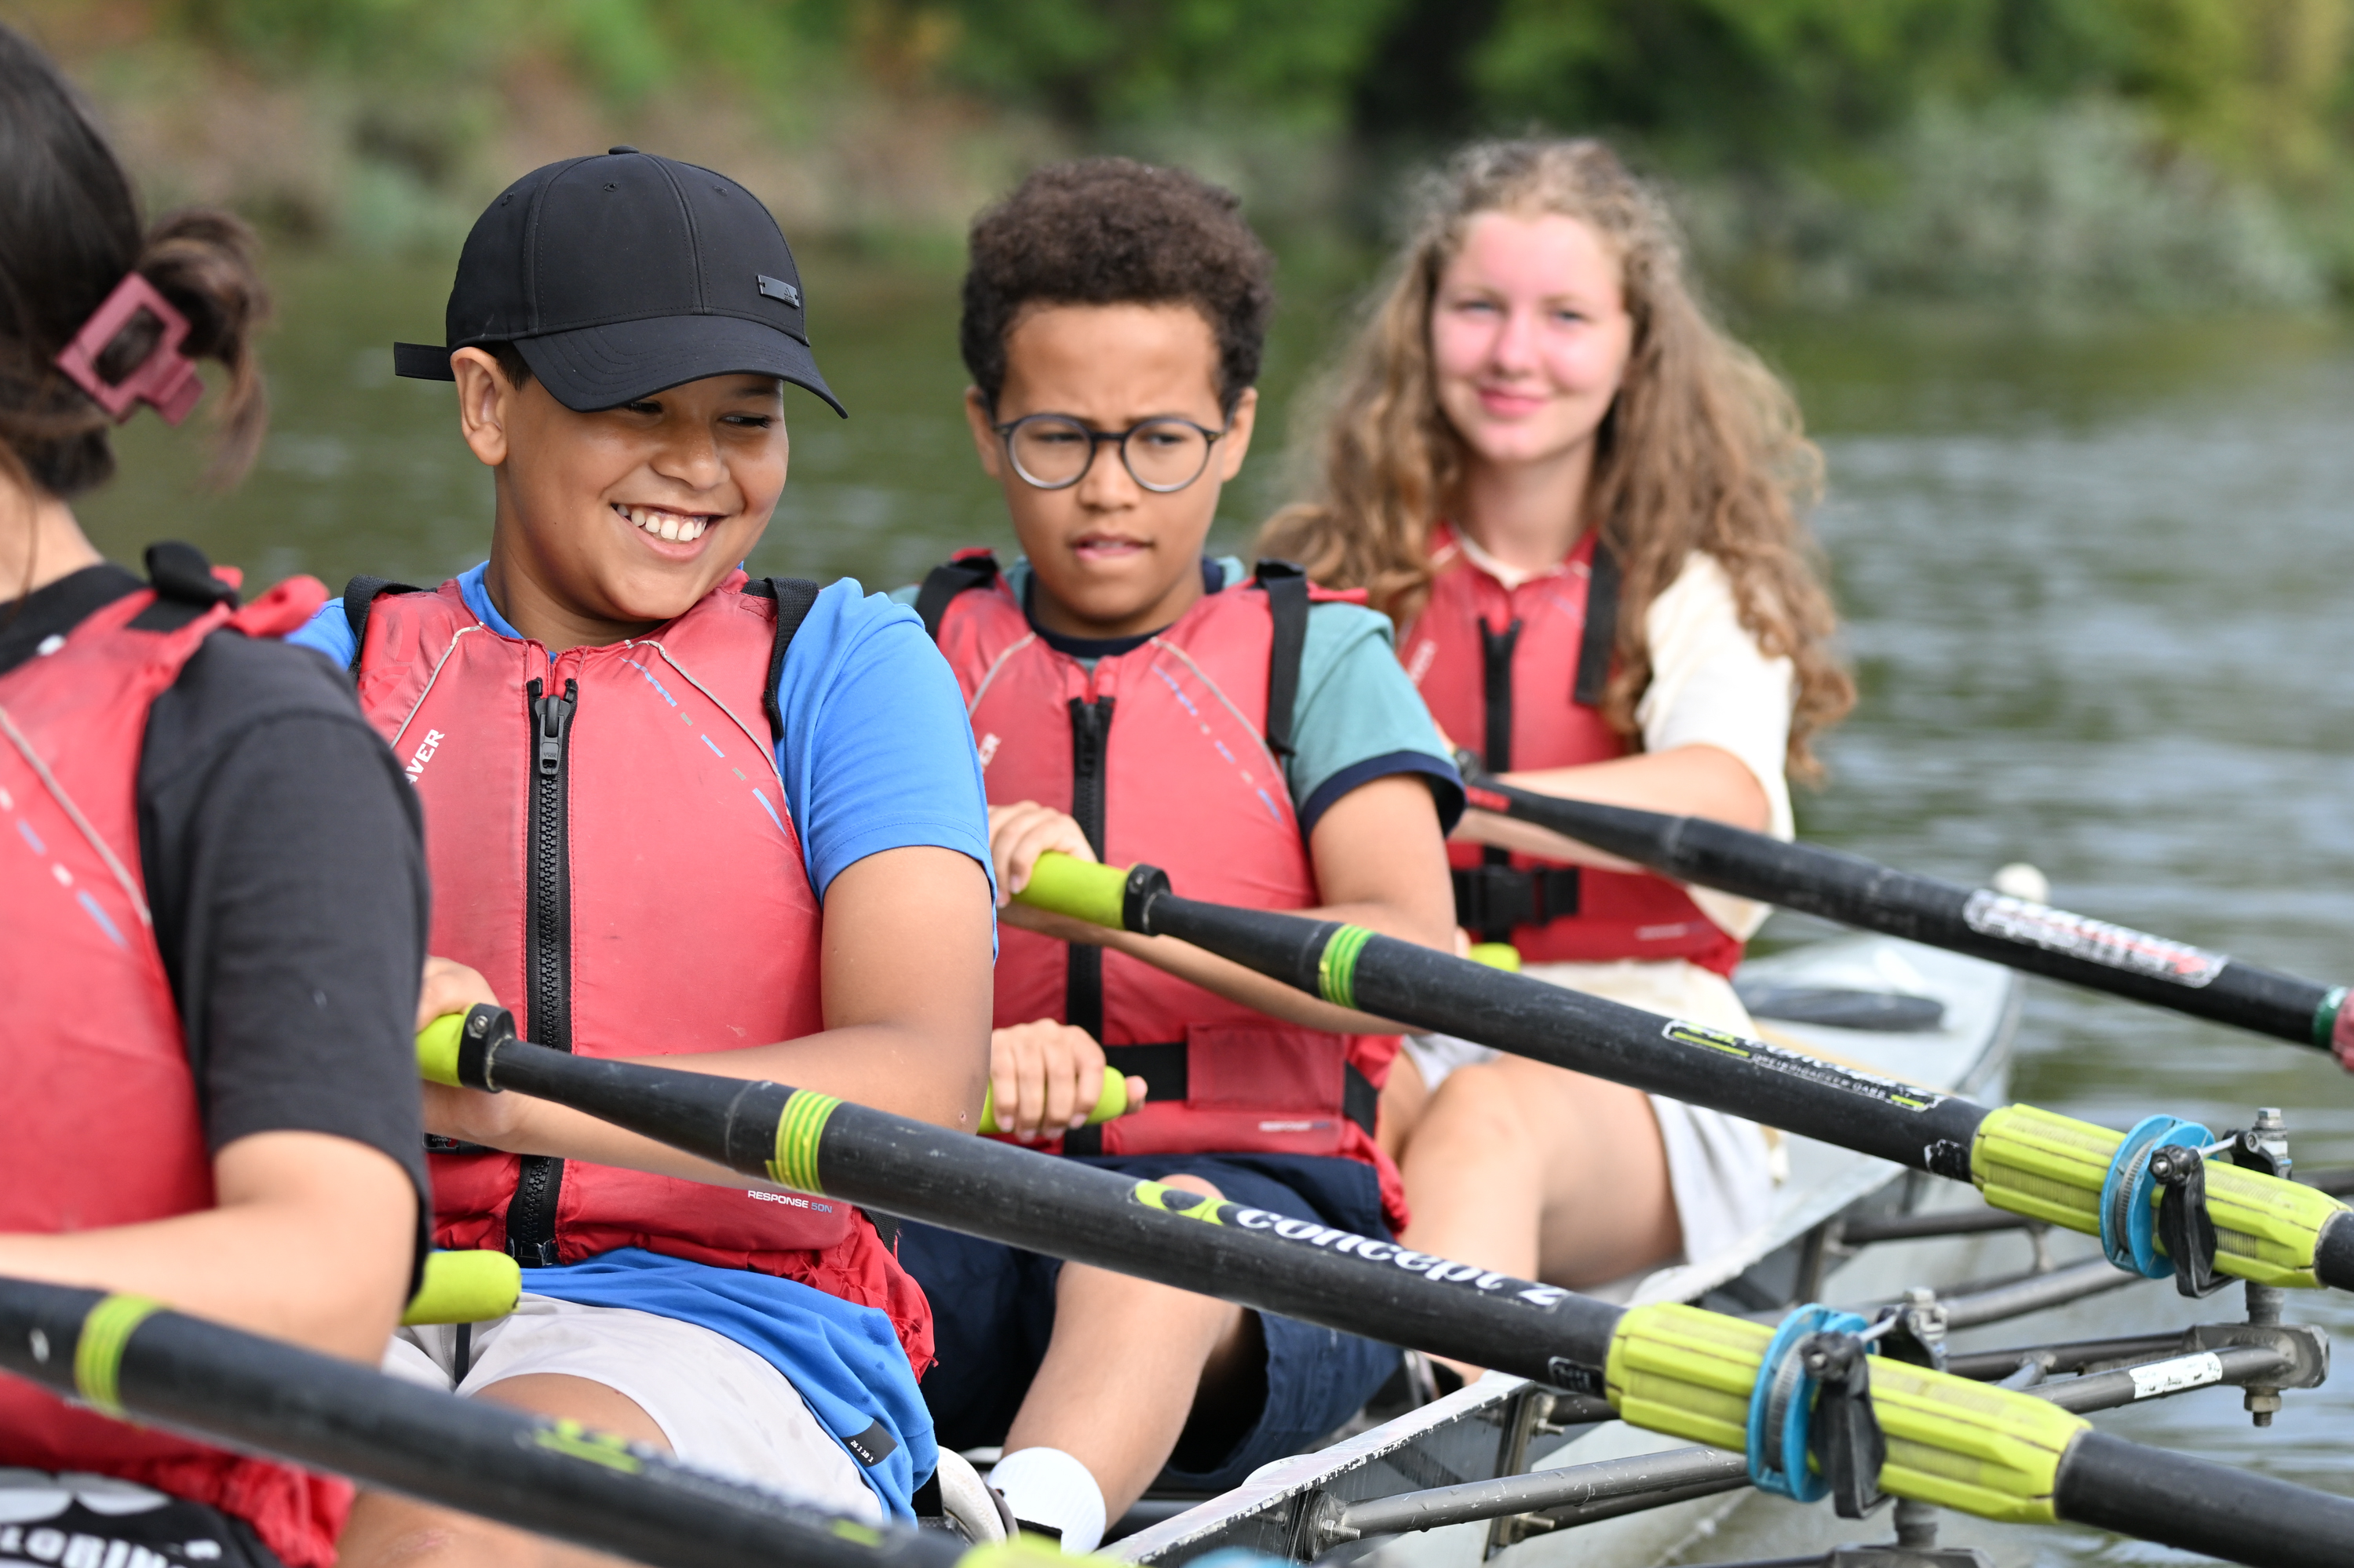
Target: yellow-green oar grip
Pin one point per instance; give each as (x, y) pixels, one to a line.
(1983, 1450)
(1081, 889)
(2048, 1167)
(465, 1287)
(1112, 1102)
(1496, 956)
(437, 1049)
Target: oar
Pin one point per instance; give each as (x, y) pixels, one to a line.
(1984, 924)
(130, 1357)
(2029, 1161)
(1674, 1369)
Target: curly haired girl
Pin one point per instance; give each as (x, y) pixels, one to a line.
(1581, 504)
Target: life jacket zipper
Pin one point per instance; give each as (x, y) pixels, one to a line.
(1091, 737)
(548, 954)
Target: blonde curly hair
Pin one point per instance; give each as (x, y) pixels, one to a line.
(1703, 448)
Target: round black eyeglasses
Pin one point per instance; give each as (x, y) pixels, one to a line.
(1054, 451)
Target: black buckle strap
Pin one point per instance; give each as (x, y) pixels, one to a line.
(1168, 1080)
(1286, 586)
(1594, 643)
(794, 596)
(1496, 900)
(1844, 1435)
(947, 580)
(2185, 1229)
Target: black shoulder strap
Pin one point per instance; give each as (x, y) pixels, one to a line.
(1285, 583)
(947, 580)
(359, 594)
(1601, 633)
(793, 595)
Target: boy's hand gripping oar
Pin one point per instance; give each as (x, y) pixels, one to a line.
(1868, 1425)
(129, 1357)
(2161, 1200)
(1984, 924)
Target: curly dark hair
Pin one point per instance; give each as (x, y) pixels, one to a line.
(1111, 231)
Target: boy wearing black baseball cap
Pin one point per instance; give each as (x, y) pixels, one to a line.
(671, 812)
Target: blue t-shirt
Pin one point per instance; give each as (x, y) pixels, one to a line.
(1356, 718)
(843, 1360)
(876, 755)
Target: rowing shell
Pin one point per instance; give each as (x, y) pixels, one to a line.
(1500, 1425)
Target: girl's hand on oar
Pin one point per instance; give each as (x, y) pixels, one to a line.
(1044, 1078)
(1018, 835)
(468, 1116)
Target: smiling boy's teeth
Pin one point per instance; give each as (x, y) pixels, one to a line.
(669, 526)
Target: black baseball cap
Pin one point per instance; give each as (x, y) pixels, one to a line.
(619, 276)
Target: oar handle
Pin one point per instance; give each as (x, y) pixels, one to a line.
(465, 1287)
(1112, 1102)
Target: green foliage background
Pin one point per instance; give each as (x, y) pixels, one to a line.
(2174, 152)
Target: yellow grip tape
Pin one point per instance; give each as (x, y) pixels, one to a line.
(1024, 1551)
(465, 1287)
(1985, 1451)
(437, 1049)
(2048, 1167)
(1081, 889)
(1110, 1102)
(106, 1333)
(1496, 956)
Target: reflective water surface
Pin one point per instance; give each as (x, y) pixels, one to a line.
(2098, 582)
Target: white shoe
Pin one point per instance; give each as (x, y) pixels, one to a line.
(977, 1512)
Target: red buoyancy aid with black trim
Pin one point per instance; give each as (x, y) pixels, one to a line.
(1522, 669)
(96, 1058)
(1161, 754)
(610, 848)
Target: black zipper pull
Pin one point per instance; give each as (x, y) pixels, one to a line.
(555, 716)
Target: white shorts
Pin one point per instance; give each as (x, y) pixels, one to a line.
(1722, 1169)
(722, 1407)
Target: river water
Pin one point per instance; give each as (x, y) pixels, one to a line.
(2098, 582)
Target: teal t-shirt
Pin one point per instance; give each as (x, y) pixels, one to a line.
(1356, 718)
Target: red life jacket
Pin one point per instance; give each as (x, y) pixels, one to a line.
(1522, 669)
(1188, 780)
(96, 1058)
(610, 848)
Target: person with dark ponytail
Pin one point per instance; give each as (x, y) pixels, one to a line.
(212, 889)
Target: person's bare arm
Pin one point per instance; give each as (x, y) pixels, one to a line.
(311, 1242)
(1688, 781)
(1379, 863)
(907, 975)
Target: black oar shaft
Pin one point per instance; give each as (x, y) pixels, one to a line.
(1856, 892)
(1062, 1208)
(1922, 1128)
(2220, 1511)
(1302, 1270)
(225, 1386)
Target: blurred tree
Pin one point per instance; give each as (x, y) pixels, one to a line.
(1093, 64)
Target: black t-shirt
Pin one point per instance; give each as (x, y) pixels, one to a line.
(284, 860)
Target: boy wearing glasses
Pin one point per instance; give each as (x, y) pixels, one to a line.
(1132, 700)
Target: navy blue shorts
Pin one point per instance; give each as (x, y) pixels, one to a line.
(994, 1309)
